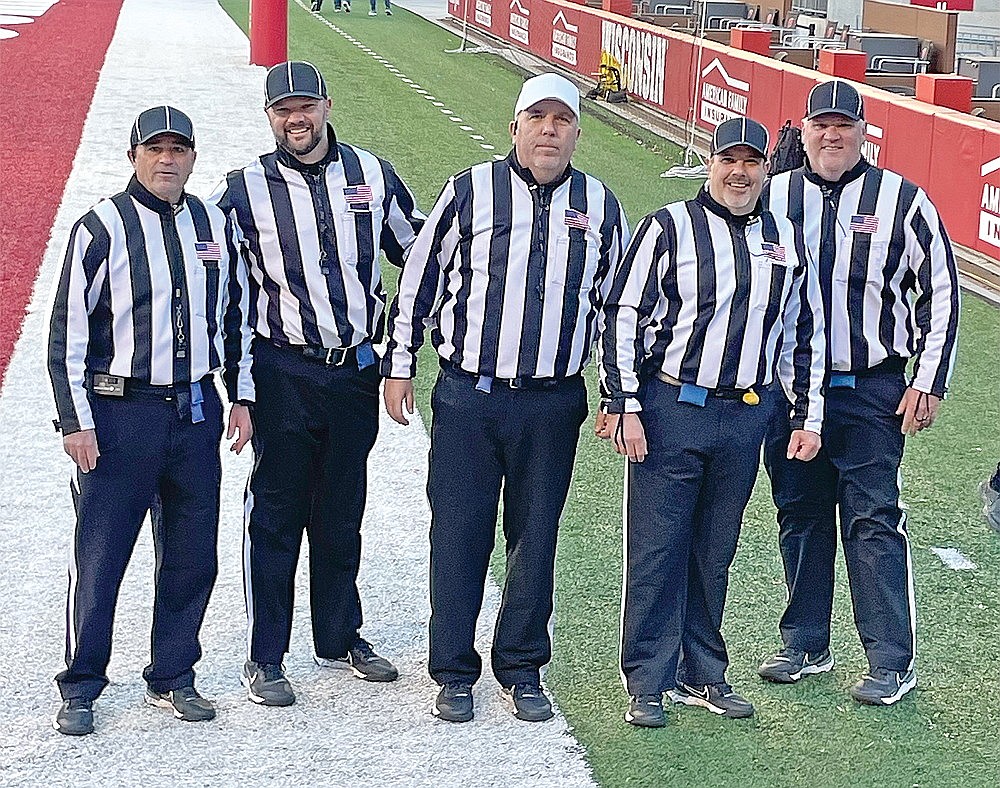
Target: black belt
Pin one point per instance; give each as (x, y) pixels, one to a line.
(330, 356)
(523, 383)
(743, 395)
(146, 390)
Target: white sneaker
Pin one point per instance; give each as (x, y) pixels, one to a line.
(373, 13)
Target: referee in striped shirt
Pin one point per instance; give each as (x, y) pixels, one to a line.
(710, 301)
(890, 293)
(313, 215)
(510, 269)
(150, 303)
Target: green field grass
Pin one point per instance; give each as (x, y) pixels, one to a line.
(944, 734)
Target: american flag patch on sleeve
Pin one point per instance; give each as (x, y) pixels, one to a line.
(208, 250)
(774, 251)
(577, 219)
(863, 223)
(356, 195)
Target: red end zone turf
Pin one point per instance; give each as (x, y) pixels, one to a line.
(47, 78)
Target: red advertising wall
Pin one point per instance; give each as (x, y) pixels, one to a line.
(955, 157)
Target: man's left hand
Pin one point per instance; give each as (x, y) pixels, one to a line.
(918, 410)
(239, 421)
(803, 445)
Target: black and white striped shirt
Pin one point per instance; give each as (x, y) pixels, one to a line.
(717, 301)
(511, 272)
(887, 272)
(149, 293)
(312, 234)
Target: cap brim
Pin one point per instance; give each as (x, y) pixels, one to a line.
(832, 111)
(737, 144)
(294, 94)
(161, 132)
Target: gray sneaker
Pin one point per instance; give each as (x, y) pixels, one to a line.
(185, 703)
(454, 702)
(789, 665)
(646, 711)
(362, 660)
(528, 702)
(75, 717)
(717, 698)
(266, 684)
(991, 504)
(883, 687)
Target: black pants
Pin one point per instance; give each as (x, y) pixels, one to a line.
(314, 426)
(152, 458)
(857, 469)
(684, 508)
(523, 442)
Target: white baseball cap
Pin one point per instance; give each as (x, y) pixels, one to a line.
(548, 86)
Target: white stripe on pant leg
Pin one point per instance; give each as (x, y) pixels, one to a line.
(247, 585)
(911, 599)
(74, 572)
(621, 616)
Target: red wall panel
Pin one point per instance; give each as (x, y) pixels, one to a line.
(944, 151)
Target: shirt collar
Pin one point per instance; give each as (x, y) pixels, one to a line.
(851, 175)
(706, 200)
(528, 177)
(146, 198)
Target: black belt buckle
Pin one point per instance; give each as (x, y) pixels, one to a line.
(336, 356)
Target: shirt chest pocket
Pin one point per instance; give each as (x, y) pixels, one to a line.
(770, 284)
(356, 236)
(203, 286)
(574, 262)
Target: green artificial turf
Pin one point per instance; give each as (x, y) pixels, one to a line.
(813, 734)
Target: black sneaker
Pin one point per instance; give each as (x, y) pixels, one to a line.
(789, 665)
(347, 7)
(363, 662)
(528, 702)
(882, 687)
(266, 684)
(454, 702)
(75, 717)
(717, 698)
(315, 6)
(185, 702)
(646, 711)
(388, 12)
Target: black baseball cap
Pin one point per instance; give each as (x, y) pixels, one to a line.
(835, 96)
(293, 78)
(740, 131)
(161, 120)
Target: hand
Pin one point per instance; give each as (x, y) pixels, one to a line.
(239, 421)
(398, 394)
(601, 426)
(918, 410)
(630, 440)
(803, 445)
(82, 447)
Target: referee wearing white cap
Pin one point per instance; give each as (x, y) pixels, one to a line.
(150, 303)
(314, 215)
(710, 302)
(890, 293)
(510, 268)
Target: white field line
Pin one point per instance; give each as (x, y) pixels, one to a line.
(342, 731)
(381, 60)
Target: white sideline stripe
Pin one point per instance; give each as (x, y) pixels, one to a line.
(205, 56)
(953, 558)
(378, 58)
